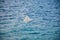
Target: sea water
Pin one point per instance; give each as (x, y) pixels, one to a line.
(44, 26)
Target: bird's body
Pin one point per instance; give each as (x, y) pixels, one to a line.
(27, 19)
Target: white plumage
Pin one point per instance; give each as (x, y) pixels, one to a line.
(27, 19)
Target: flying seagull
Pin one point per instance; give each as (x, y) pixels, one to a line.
(27, 19)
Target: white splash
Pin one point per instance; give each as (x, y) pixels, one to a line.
(27, 19)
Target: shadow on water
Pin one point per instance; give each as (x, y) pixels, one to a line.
(34, 33)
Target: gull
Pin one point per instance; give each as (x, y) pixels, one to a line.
(27, 19)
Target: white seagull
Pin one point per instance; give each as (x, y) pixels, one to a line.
(27, 19)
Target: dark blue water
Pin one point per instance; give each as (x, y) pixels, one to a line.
(44, 26)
